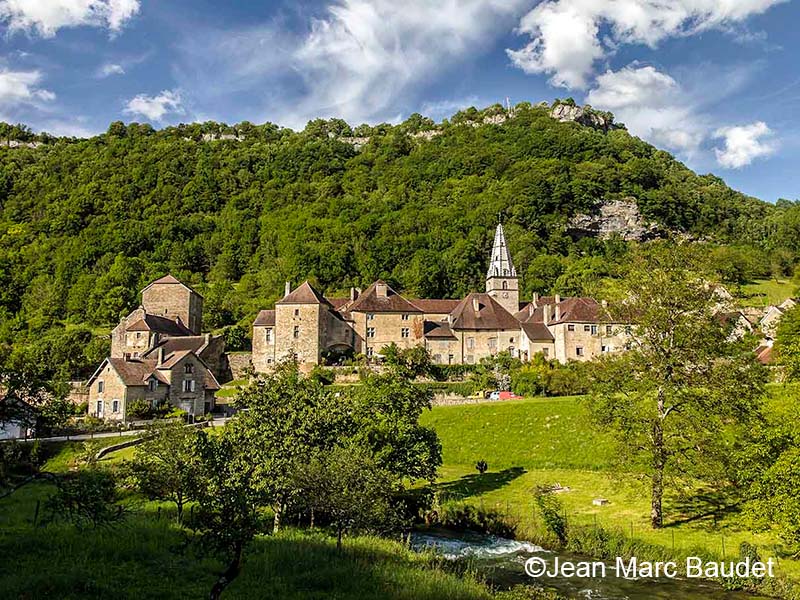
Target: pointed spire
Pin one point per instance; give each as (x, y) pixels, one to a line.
(500, 264)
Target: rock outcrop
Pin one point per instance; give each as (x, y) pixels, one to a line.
(584, 115)
(620, 217)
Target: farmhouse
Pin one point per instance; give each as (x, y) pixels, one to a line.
(310, 327)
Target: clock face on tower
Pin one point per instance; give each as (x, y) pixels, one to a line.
(505, 294)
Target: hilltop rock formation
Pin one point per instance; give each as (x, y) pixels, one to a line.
(583, 115)
(620, 217)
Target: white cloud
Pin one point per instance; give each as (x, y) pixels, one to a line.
(46, 17)
(743, 144)
(21, 87)
(566, 38)
(154, 108)
(362, 60)
(652, 105)
(109, 69)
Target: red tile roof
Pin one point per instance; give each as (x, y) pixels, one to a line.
(160, 325)
(537, 332)
(369, 301)
(435, 306)
(438, 330)
(265, 318)
(304, 294)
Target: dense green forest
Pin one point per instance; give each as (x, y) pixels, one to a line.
(86, 222)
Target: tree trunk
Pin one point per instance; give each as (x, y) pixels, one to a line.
(312, 519)
(230, 573)
(276, 521)
(339, 540)
(659, 462)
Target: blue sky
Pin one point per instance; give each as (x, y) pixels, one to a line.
(716, 82)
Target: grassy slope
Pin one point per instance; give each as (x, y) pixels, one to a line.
(766, 292)
(544, 441)
(148, 557)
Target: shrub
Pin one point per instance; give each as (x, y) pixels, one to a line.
(552, 512)
(481, 466)
(140, 409)
(86, 498)
(480, 520)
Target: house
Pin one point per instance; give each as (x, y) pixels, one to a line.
(170, 317)
(21, 421)
(306, 325)
(179, 378)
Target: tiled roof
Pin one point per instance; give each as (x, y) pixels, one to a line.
(304, 294)
(537, 332)
(489, 314)
(582, 310)
(438, 330)
(133, 372)
(169, 279)
(435, 306)
(369, 301)
(159, 325)
(265, 318)
(338, 303)
(764, 355)
(193, 343)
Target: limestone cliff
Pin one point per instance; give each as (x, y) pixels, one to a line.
(620, 217)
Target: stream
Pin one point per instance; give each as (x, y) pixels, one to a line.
(502, 562)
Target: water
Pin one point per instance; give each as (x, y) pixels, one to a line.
(502, 562)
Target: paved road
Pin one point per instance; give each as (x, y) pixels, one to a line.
(106, 434)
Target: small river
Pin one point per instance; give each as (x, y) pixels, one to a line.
(502, 562)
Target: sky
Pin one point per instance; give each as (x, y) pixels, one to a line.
(715, 82)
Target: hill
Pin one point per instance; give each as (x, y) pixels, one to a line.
(237, 210)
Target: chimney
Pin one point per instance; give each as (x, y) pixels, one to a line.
(604, 303)
(558, 312)
(546, 314)
(208, 338)
(381, 290)
(353, 294)
(160, 356)
(532, 307)
(475, 304)
(358, 292)
(287, 288)
(558, 299)
(535, 300)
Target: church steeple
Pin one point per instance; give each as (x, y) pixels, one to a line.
(500, 264)
(501, 278)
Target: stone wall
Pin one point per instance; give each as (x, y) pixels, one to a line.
(263, 356)
(310, 331)
(240, 363)
(376, 330)
(113, 389)
(174, 300)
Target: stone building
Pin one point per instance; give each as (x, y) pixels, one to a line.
(170, 317)
(312, 328)
(179, 378)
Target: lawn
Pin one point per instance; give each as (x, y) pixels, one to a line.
(536, 442)
(766, 291)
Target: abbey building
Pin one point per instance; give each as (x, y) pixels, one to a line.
(307, 325)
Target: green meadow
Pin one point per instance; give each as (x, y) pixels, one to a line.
(550, 441)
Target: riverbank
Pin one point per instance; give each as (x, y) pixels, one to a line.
(550, 442)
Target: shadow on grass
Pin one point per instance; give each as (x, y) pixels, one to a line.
(474, 485)
(704, 506)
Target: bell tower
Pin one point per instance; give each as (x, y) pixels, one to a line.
(502, 282)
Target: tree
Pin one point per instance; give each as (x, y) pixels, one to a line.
(787, 342)
(165, 464)
(347, 486)
(86, 497)
(229, 493)
(407, 362)
(670, 399)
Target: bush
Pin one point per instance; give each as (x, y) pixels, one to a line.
(140, 409)
(322, 375)
(86, 498)
(480, 520)
(552, 512)
(235, 338)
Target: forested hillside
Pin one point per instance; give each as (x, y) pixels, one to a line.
(85, 223)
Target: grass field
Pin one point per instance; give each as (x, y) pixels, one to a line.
(536, 442)
(767, 291)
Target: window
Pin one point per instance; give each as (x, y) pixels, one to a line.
(437, 358)
(99, 408)
(609, 330)
(296, 312)
(115, 406)
(605, 349)
(370, 332)
(404, 317)
(470, 359)
(405, 332)
(586, 328)
(269, 361)
(152, 384)
(492, 343)
(296, 331)
(570, 327)
(505, 285)
(188, 385)
(628, 330)
(268, 335)
(511, 350)
(470, 343)
(450, 359)
(545, 352)
(369, 351)
(101, 386)
(138, 335)
(370, 316)
(594, 329)
(511, 340)
(188, 368)
(579, 351)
